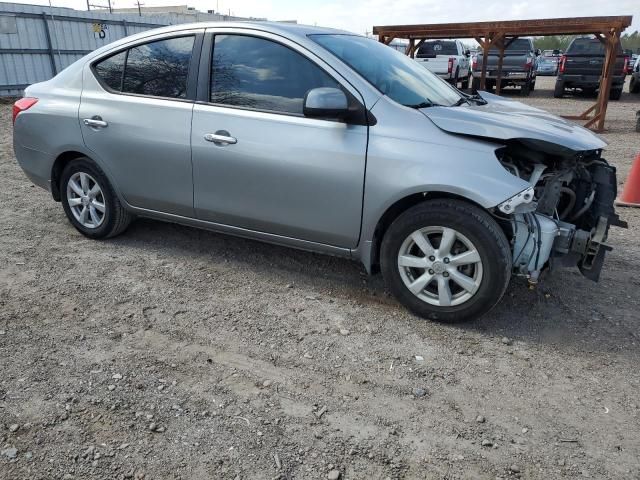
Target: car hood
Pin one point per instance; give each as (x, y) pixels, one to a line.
(504, 119)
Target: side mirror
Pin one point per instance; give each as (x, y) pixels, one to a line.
(467, 53)
(538, 52)
(325, 102)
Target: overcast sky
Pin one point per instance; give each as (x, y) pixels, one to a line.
(359, 15)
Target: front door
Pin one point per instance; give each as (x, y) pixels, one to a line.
(258, 163)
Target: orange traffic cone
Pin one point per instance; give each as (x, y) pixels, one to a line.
(631, 192)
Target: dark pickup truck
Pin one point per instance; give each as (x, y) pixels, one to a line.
(581, 67)
(518, 66)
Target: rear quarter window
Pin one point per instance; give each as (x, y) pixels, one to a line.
(110, 70)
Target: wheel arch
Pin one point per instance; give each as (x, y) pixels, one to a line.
(59, 163)
(372, 264)
(69, 154)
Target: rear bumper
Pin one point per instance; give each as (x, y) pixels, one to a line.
(586, 81)
(506, 76)
(35, 164)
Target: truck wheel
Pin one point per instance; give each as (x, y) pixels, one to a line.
(446, 260)
(525, 91)
(558, 91)
(465, 82)
(634, 85)
(475, 84)
(456, 80)
(615, 93)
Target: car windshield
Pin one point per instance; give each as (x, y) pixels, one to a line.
(391, 72)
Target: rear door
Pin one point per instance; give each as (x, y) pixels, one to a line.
(279, 172)
(135, 114)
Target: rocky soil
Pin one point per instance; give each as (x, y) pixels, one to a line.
(174, 353)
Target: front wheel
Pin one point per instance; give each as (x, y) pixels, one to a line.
(446, 260)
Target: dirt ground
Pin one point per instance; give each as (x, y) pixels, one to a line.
(174, 353)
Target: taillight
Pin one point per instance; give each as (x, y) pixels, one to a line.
(474, 63)
(23, 104)
(450, 65)
(626, 64)
(563, 60)
(527, 66)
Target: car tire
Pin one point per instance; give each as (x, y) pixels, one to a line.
(90, 202)
(558, 91)
(615, 93)
(474, 231)
(525, 90)
(634, 85)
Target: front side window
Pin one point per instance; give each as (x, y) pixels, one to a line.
(394, 74)
(251, 72)
(158, 69)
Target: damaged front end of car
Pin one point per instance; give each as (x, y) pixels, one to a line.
(563, 218)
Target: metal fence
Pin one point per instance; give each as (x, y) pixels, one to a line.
(36, 42)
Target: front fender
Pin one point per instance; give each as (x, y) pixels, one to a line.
(421, 158)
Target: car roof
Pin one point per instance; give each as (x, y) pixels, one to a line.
(288, 29)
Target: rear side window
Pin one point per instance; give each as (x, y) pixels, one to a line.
(158, 69)
(437, 48)
(255, 73)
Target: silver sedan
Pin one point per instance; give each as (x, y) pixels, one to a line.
(322, 140)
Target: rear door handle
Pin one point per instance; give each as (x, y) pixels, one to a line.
(221, 137)
(95, 122)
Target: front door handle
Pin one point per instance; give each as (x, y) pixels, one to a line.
(221, 137)
(95, 122)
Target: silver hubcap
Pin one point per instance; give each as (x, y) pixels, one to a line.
(440, 266)
(86, 200)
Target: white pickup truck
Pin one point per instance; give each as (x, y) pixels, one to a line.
(449, 59)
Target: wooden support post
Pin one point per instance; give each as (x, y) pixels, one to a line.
(500, 43)
(606, 79)
(485, 55)
(409, 50)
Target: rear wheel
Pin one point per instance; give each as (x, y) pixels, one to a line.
(89, 201)
(465, 82)
(615, 93)
(526, 88)
(634, 85)
(446, 260)
(558, 91)
(475, 84)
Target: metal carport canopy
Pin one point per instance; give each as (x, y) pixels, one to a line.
(499, 34)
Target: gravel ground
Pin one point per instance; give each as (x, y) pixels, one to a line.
(175, 353)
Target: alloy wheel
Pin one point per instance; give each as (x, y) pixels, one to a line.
(440, 266)
(86, 200)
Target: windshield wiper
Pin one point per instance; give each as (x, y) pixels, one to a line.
(460, 102)
(477, 98)
(424, 105)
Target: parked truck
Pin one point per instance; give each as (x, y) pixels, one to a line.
(518, 66)
(449, 59)
(581, 67)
